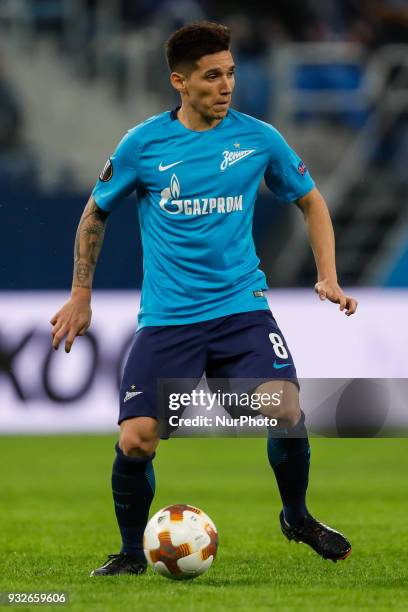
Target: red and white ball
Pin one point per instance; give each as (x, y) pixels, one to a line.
(180, 542)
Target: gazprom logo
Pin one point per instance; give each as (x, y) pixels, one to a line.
(172, 192)
(174, 187)
(171, 203)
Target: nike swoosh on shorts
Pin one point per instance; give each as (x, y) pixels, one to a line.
(278, 366)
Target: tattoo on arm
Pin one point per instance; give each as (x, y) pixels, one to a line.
(83, 272)
(88, 243)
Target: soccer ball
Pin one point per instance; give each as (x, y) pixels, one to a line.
(180, 542)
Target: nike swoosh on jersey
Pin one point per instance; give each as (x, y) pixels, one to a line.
(278, 366)
(163, 168)
(130, 394)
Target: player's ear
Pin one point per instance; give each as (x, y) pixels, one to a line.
(178, 81)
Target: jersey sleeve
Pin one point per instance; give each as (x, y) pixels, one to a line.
(120, 175)
(286, 175)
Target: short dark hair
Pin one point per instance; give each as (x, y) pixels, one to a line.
(189, 43)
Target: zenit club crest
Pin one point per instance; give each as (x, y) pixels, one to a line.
(233, 157)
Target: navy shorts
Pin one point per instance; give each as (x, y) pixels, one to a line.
(242, 346)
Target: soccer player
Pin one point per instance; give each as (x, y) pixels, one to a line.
(196, 171)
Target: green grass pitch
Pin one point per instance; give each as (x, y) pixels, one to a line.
(57, 524)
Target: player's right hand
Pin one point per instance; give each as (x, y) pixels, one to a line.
(72, 320)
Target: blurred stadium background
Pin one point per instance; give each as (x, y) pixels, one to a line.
(332, 75)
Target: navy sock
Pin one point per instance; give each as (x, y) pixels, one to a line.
(289, 458)
(133, 486)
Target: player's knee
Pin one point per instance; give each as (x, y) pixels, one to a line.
(287, 416)
(290, 418)
(139, 438)
(136, 446)
(287, 410)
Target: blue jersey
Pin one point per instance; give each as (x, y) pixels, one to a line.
(195, 195)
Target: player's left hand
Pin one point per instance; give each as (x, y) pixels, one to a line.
(332, 291)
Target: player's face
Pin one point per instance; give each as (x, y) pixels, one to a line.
(208, 88)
